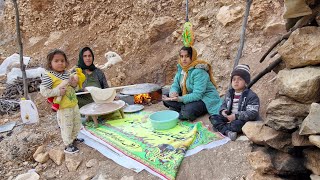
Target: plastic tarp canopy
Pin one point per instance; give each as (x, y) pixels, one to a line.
(12, 59)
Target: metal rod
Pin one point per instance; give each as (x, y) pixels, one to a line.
(187, 11)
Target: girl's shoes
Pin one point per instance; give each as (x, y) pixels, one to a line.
(80, 140)
(71, 149)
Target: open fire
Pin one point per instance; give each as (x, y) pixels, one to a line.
(148, 98)
(142, 98)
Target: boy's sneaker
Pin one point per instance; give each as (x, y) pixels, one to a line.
(232, 135)
(71, 149)
(80, 140)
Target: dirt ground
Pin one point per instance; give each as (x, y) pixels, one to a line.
(224, 162)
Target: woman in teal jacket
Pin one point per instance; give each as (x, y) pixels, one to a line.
(193, 92)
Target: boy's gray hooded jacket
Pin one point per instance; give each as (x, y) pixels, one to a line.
(249, 105)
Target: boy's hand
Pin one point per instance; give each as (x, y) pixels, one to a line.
(62, 91)
(224, 113)
(231, 117)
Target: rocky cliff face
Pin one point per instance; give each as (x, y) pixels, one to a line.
(147, 34)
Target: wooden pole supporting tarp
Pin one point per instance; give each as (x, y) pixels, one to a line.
(22, 65)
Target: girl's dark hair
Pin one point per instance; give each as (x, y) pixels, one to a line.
(51, 55)
(188, 49)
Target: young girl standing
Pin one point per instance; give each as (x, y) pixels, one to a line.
(68, 114)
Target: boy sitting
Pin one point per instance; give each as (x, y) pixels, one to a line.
(239, 106)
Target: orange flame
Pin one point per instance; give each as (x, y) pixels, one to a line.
(142, 98)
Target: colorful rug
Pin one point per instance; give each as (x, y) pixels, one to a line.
(133, 143)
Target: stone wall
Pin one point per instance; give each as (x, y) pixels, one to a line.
(287, 143)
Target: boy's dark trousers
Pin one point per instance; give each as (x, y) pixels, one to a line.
(188, 111)
(222, 124)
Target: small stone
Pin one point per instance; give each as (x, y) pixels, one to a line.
(73, 162)
(40, 155)
(57, 156)
(91, 163)
(49, 175)
(28, 176)
(127, 178)
(9, 174)
(39, 168)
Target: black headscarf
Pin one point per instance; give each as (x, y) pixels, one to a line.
(81, 63)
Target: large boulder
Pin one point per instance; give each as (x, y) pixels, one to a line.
(315, 139)
(161, 28)
(318, 20)
(311, 124)
(312, 156)
(301, 84)
(277, 139)
(258, 133)
(228, 14)
(252, 130)
(296, 8)
(274, 27)
(261, 162)
(302, 48)
(284, 113)
(259, 176)
(314, 177)
(270, 161)
(298, 140)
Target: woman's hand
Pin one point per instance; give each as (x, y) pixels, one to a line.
(231, 117)
(173, 94)
(166, 98)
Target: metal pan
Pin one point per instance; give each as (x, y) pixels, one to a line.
(133, 108)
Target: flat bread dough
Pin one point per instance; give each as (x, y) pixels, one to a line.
(102, 95)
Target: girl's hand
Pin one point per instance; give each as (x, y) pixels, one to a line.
(73, 81)
(231, 117)
(63, 91)
(173, 94)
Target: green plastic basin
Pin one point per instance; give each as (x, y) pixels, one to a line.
(163, 120)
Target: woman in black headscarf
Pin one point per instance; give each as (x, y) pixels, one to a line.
(94, 76)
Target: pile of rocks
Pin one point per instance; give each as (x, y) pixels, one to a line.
(287, 143)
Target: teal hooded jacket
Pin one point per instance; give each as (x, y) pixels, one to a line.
(199, 87)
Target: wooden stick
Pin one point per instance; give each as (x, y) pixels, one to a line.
(243, 31)
(265, 71)
(22, 65)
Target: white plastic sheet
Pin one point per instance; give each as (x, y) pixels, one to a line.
(14, 58)
(31, 73)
